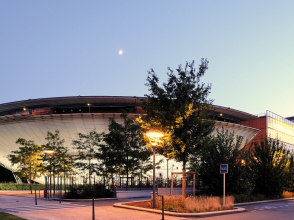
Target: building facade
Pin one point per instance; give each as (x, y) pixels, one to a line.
(32, 119)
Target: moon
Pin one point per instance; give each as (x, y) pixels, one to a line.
(120, 52)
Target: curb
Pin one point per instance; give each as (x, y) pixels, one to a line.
(262, 201)
(199, 215)
(84, 200)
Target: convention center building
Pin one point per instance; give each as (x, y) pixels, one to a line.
(32, 119)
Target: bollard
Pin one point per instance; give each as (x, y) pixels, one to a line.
(93, 214)
(162, 207)
(35, 197)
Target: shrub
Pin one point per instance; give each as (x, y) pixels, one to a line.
(20, 186)
(88, 192)
(223, 149)
(194, 204)
(270, 167)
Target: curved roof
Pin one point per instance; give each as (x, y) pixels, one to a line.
(63, 102)
(105, 101)
(232, 114)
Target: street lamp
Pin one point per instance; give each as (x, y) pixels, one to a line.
(167, 171)
(154, 138)
(50, 152)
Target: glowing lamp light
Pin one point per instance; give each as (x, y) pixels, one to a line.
(154, 137)
(49, 151)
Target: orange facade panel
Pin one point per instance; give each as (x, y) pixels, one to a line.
(259, 123)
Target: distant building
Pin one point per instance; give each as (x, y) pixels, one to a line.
(32, 119)
(274, 127)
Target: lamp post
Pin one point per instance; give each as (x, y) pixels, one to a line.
(154, 138)
(50, 152)
(167, 170)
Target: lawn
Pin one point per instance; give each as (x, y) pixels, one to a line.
(7, 216)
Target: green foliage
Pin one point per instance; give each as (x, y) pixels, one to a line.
(125, 150)
(179, 109)
(270, 164)
(20, 186)
(7, 216)
(88, 146)
(88, 192)
(60, 162)
(259, 197)
(289, 186)
(28, 159)
(223, 149)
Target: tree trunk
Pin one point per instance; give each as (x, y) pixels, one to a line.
(64, 181)
(184, 180)
(31, 183)
(31, 187)
(127, 173)
(89, 172)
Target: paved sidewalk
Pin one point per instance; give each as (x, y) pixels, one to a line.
(22, 204)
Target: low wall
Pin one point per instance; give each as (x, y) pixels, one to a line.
(148, 193)
(133, 194)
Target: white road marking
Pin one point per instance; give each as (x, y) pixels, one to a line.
(45, 207)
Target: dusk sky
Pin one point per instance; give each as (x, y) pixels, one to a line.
(70, 48)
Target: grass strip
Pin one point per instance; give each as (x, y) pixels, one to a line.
(7, 216)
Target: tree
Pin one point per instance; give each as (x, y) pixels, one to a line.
(125, 142)
(53, 162)
(66, 165)
(88, 147)
(271, 165)
(289, 186)
(180, 109)
(225, 148)
(28, 159)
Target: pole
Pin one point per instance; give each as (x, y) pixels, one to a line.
(60, 191)
(167, 171)
(93, 213)
(114, 188)
(224, 196)
(45, 191)
(162, 208)
(35, 197)
(171, 184)
(153, 176)
(193, 184)
(50, 180)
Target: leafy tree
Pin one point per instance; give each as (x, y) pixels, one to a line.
(271, 166)
(125, 146)
(180, 109)
(88, 146)
(289, 186)
(224, 149)
(51, 161)
(28, 159)
(66, 165)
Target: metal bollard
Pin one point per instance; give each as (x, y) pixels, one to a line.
(162, 208)
(93, 214)
(35, 197)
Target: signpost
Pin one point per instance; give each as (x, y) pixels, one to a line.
(224, 170)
